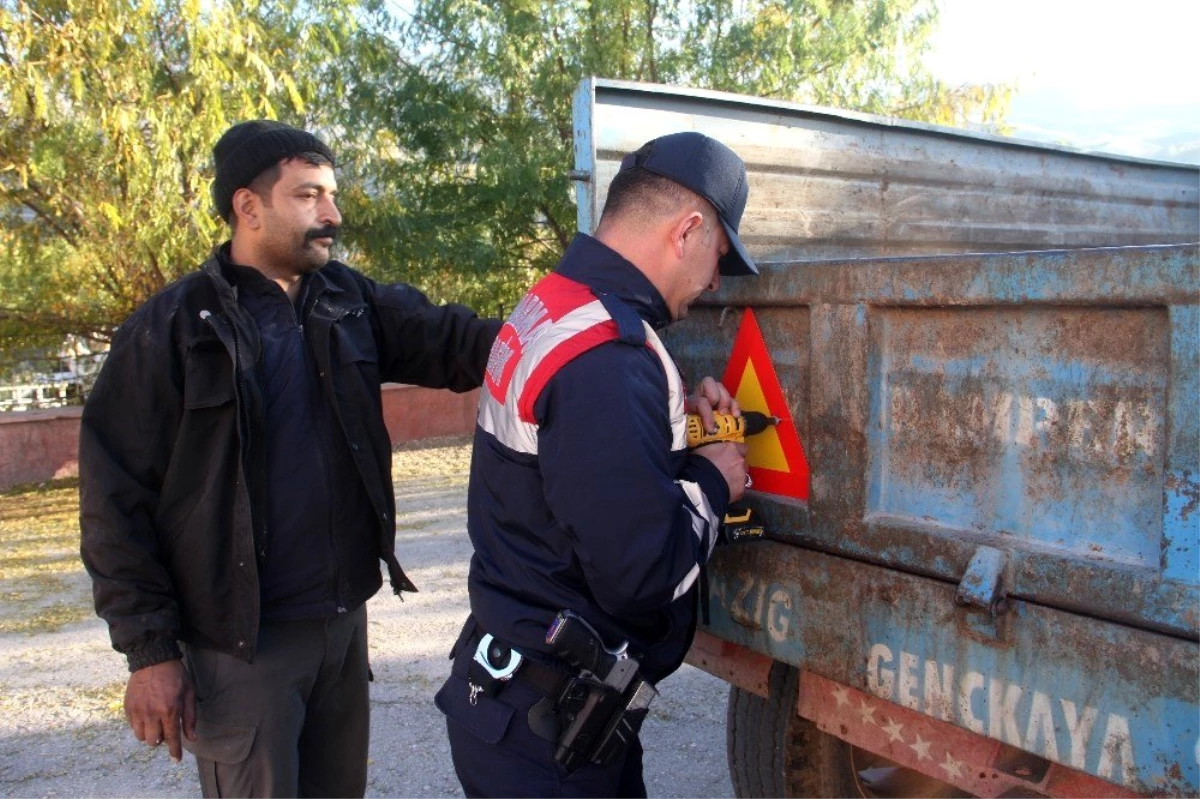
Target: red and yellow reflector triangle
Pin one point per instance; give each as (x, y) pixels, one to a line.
(776, 459)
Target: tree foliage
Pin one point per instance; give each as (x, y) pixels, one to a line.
(451, 120)
(108, 114)
(483, 110)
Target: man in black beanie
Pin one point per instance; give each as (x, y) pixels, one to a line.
(235, 479)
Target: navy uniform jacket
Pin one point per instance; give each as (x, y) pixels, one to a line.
(583, 495)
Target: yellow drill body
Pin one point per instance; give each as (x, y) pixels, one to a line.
(729, 427)
(738, 524)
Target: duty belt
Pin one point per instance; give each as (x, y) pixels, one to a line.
(489, 664)
(591, 715)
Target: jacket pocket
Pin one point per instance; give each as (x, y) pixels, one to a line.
(207, 378)
(222, 743)
(487, 718)
(355, 341)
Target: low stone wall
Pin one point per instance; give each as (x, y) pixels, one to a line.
(44, 445)
(38, 445)
(412, 413)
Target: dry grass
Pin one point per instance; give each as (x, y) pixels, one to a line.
(447, 458)
(43, 585)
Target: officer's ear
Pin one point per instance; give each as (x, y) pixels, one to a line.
(684, 229)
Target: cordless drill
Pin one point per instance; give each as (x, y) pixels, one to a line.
(729, 427)
(737, 525)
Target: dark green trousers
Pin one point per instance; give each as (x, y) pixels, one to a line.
(295, 722)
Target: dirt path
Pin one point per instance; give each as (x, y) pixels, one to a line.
(62, 732)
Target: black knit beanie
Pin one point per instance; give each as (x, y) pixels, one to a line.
(248, 148)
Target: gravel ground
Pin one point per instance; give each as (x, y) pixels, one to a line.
(62, 732)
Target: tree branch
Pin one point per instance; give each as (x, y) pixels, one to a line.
(560, 234)
(45, 215)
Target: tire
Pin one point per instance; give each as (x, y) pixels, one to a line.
(772, 752)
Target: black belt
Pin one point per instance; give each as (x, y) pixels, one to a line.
(545, 680)
(541, 677)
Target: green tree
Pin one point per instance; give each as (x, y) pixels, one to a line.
(108, 114)
(451, 121)
(479, 203)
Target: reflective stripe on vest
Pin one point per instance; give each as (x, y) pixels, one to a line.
(556, 322)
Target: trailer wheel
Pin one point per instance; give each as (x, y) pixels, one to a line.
(772, 751)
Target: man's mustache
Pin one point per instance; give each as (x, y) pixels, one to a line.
(327, 232)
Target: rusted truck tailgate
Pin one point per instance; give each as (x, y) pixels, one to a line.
(1002, 525)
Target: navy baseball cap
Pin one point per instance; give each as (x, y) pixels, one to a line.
(713, 171)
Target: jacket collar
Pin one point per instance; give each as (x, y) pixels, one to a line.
(228, 275)
(602, 269)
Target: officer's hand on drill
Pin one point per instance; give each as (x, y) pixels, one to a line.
(730, 458)
(711, 396)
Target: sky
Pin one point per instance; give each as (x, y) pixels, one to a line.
(1114, 77)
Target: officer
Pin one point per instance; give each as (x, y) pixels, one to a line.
(583, 496)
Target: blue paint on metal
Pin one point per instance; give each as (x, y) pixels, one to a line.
(1020, 424)
(1118, 734)
(1113, 701)
(981, 585)
(982, 423)
(1181, 517)
(583, 112)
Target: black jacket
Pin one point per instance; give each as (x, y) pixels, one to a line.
(171, 456)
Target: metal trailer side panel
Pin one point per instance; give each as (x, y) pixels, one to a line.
(1039, 405)
(835, 184)
(1002, 529)
(1014, 439)
(1105, 699)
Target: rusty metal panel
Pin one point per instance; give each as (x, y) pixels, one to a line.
(1039, 404)
(1042, 424)
(832, 184)
(1003, 524)
(981, 766)
(1109, 700)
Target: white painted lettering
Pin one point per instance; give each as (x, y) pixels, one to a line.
(908, 682)
(1080, 730)
(779, 615)
(1002, 416)
(760, 598)
(972, 681)
(1002, 711)
(880, 681)
(939, 693)
(1049, 416)
(737, 608)
(902, 409)
(1041, 725)
(1118, 746)
(1024, 435)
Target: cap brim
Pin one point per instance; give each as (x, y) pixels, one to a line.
(737, 262)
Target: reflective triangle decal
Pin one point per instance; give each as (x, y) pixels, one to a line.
(775, 457)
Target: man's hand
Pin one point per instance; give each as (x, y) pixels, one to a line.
(730, 458)
(159, 699)
(711, 396)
